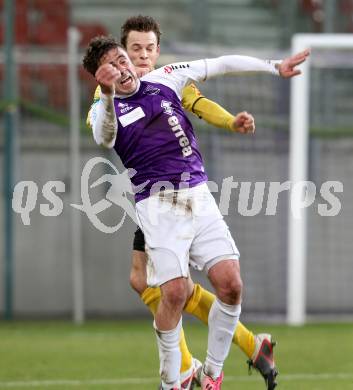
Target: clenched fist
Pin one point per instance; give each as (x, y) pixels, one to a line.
(106, 77)
(244, 123)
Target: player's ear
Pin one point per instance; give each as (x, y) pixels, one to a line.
(158, 49)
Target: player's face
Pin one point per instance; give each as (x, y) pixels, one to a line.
(126, 82)
(143, 50)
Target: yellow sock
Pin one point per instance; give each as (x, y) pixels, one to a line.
(151, 298)
(186, 357)
(245, 339)
(200, 302)
(199, 305)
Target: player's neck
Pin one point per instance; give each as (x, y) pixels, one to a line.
(138, 83)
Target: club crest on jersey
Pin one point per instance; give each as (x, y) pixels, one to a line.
(151, 90)
(167, 107)
(124, 107)
(169, 68)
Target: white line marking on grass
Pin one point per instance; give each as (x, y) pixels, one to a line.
(139, 381)
(78, 382)
(295, 377)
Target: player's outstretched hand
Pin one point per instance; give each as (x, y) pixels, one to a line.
(288, 67)
(244, 123)
(106, 76)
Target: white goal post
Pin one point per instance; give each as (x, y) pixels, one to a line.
(78, 310)
(298, 169)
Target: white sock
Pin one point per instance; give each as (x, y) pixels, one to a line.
(169, 355)
(222, 321)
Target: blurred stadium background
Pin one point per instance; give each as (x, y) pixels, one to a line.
(36, 264)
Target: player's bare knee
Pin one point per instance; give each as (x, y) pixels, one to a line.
(174, 293)
(232, 291)
(229, 289)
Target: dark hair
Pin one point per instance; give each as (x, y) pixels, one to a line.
(97, 47)
(139, 23)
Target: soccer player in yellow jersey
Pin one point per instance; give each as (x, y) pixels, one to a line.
(141, 37)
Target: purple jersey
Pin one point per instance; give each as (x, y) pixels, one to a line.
(154, 136)
(157, 140)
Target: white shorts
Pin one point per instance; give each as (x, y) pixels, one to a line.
(183, 227)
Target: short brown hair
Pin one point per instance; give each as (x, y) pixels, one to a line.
(139, 23)
(96, 49)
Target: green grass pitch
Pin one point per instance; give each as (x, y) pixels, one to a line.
(123, 355)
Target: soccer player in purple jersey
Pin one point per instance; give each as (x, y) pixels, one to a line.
(140, 36)
(144, 122)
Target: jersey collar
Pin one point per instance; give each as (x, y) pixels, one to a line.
(132, 94)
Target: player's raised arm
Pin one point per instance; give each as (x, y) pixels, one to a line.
(103, 135)
(102, 113)
(233, 64)
(178, 75)
(103, 121)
